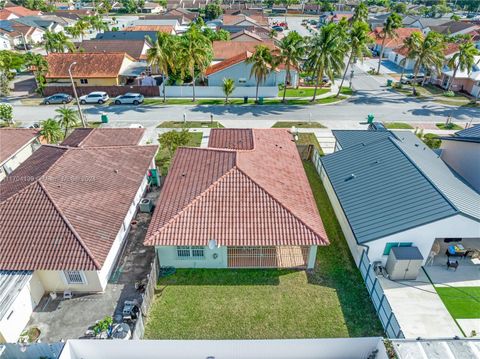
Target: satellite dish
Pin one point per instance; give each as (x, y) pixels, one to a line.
(212, 244)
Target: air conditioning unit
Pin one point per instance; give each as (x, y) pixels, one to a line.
(146, 205)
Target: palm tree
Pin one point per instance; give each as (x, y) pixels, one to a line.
(428, 53)
(360, 13)
(96, 23)
(82, 26)
(39, 66)
(195, 53)
(292, 50)
(161, 55)
(262, 63)
(51, 131)
(73, 31)
(57, 42)
(358, 42)
(464, 60)
(50, 41)
(393, 22)
(67, 118)
(228, 88)
(328, 50)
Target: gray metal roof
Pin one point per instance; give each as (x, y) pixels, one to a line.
(437, 348)
(126, 35)
(471, 134)
(11, 284)
(462, 196)
(381, 191)
(348, 138)
(410, 253)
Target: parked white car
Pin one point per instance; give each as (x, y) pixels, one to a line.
(94, 97)
(129, 98)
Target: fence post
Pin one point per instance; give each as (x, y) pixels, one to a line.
(388, 321)
(380, 304)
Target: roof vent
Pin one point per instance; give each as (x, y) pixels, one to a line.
(352, 176)
(115, 170)
(184, 174)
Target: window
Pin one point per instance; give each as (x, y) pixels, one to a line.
(242, 81)
(84, 81)
(185, 252)
(391, 245)
(75, 277)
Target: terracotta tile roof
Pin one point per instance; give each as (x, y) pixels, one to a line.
(450, 49)
(235, 19)
(89, 65)
(133, 48)
(13, 139)
(257, 197)
(402, 34)
(21, 11)
(158, 28)
(104, 137)
(251, 34)
(240, 139)
(62, 208)
(228, 62)
(226, 49)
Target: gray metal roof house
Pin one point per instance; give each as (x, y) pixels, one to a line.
(389, 187)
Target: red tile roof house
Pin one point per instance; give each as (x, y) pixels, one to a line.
(16, 145)
(391, 43)
(65, 213)
(243, 202)
(398, 54)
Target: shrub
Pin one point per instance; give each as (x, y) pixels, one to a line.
(449, 93)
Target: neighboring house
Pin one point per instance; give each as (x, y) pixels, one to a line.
(15, 12)
(6, 41)
(334, 17)
(390, 43)
(64, 6)
(127, 35)
(66, 212)
(168, 23)
(238, 69)
(401, 52)
(245, 35)
(461, 152)
(182, 20)
(243, 202)
(92, 69)
(453, 28)
(464, 81)
(137, 49)
(151, 8)
(168, 29)
(50, 23)
(388, 189)
(223, 50)
(424, 23)
(74, 15)
(244, 21)
(20, 33)
(16, 145)
(179, 11)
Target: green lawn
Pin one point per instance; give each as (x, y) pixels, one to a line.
(163, 157)
(398, 126)
(437, 95)
(303, 92)
(309, 138)
(332, 301)
(190, 124)
(461, 302)
(452, 126)
(288, 124)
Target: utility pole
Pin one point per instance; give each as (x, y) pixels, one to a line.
(84, 124)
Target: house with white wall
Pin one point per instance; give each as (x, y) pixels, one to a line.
(17, 144)
(389, 189)
(461, 152)
(66, 212)
(243, 202)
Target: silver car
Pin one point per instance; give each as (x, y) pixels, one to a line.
(129, 98)
(57, 98)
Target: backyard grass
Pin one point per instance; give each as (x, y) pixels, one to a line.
(163, 159)
(451, 126)
(190, 124)
(309, 138)
(288, 124)
(398, 126)
(461, 302)
(437, 95)
(332, 301)
(303, 92)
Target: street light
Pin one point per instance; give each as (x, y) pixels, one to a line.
(75, 93)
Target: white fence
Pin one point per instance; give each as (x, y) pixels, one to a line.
(217, 91)
(31, 351)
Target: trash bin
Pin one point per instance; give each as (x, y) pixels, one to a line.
(370, 118)
(260, 100)
(389, 83)
(245, 99)
(104, 118)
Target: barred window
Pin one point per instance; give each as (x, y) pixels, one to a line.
(185, 252)
(74, 277)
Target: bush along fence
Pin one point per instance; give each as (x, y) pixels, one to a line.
(379, 300)
(147, 299)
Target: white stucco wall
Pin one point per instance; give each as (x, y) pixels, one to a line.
(17, 317)
(167, 256)
(55, 281)
(464, 158)
(20, 156)
(409, 63)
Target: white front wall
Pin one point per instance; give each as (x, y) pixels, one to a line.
(17, 317)
(20, 156)
(397, 58)
(36, 37)
(464, 158)
(5, 43)
(167, 256)
(217, 91)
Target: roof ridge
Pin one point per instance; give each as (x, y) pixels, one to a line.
(283, 205)
(88, 135)
(69, 225)
(191, 203)
(17, 192)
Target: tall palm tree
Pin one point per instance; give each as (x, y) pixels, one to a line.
(427, 52)
(411, 44)
(359, 40)
(328, 50)
(96, 23)
(360, 13)
(162, 55)
(292, 50)
(195, 53)
(73, 31)
(39, 66)
(51, 131)
(50, 41)
(393, 22)
(464, 60)
(262, 63)
(82, 26)
(228, 88)
(57, 42)
(67, 118)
